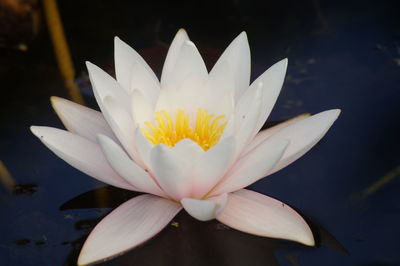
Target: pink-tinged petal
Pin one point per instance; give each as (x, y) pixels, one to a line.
(104, 85)
(260, 215)
(303, 135)
(123, 127)
(81, 120)
(131, 69)
(189, 63)
(127, 227)
(81, 153)
(205, 210)
(172, 56)
(127, 169)
(142, 108)
(252, 167)
(272, 81)
(263, 135)
(173, 167)
(237, 55)
(211, 165)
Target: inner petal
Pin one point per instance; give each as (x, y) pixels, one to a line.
(206, 129)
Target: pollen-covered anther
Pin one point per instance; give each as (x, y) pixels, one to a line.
(207, 130)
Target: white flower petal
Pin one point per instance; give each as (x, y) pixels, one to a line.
(303, 135)
(189, 63)
(263, 135)
(127, 169)
(245, 122)
(143, 146)
(237, 55)
(272, 81)
(142, 109)
(128, 226)
(131, 69)
(81, 120)
(211, 165)
(81, 153)
(122, 125)
(205, 210)
(173, 167)
(260, 215)
(252, 167)
(145, 83)
(220, 90)
(172, 56)
(104, 85)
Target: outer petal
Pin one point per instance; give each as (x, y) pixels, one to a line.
(104, 85)
(145, 82)
(303, 135)
(237, 55)
(272, 81)
(261, 215)
(211, 165)
(81, 120)
(128, 226)
(172, 55)
(252, 167)
(263, 135)
(79, 152)
(205, 210)
(131, 69)
(129, 170)
(173, 167)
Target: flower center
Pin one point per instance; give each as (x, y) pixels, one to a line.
(206, 132)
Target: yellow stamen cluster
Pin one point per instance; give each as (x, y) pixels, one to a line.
(207, 130)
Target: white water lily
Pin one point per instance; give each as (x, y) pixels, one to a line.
(188, 141)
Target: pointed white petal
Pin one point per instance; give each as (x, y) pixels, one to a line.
(81, 120)
(205, 210)
(142, 109)
(122, 125)
(143, 146)
(211, 165)
(263, 135)
(81, 153)
(145, 83)
(220, 90)
(189, 63)
(260, 215)
(128, 226)
(127, 169)
(104, 85)
(172, 56)
(130, 67)
(245, 122)
(237, 55)
(272, 81)
(173, 167)
(252, 167)
(303, 135)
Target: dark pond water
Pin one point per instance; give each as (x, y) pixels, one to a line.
(342, 54)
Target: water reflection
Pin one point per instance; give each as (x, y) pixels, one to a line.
(186, 241)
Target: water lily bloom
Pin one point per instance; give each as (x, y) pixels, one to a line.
(190, 140)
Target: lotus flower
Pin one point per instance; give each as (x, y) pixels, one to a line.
(189, 141)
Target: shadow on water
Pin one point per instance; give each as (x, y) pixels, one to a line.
(186, 241)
